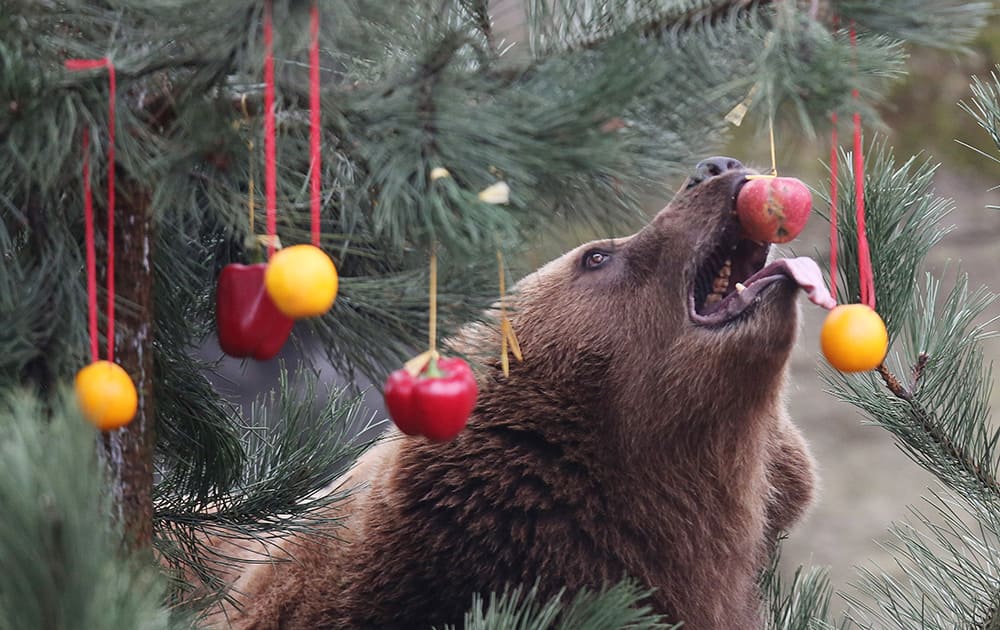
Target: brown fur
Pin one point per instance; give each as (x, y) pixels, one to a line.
(630, 442)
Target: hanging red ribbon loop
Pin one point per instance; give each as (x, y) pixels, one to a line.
(270, 148)
(833, 204)
(88, 221)
(865, 273)
(88, 207)
(864, 254)
(315, 119)
(270, 128)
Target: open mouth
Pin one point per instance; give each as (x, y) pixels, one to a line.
(731, 278)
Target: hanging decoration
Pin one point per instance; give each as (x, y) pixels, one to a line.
(257, 304)
(499, 193)
(834, 173)
(431, 396)
(508, 340)
(104, 390)
(302, 280)
(773, 209)
(853, 337)
(247, 322)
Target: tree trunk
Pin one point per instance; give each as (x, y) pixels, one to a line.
(129, 450)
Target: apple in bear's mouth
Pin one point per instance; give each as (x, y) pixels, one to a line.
(773, 209)
(735, 272)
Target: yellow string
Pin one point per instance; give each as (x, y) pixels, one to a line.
(503, 283)
(250, 184)
(251, 193)
(508, 340)
(504, 360)
(770, 129)
(515, 346)
(432, 325)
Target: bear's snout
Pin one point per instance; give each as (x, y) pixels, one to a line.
(710, 167)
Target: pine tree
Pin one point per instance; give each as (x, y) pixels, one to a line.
(596, 106)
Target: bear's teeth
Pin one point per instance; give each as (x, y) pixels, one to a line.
(720, 284)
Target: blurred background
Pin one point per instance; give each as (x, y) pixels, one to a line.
(867, 483)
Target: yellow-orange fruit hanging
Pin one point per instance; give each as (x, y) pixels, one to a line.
(302, 281)
(106, 395)
(854, 338)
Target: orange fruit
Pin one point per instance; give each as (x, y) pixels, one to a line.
(302, 281)
(106, 395)
(854, 338)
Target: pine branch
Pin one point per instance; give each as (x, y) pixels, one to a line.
(935, 23)
(479, 11)
(65, 566)
(947, 568)
(934, 432)
(985, 110)
(294, 450)
(799, 63)
(568, 25)
(941, 423)
(801, 604)
(620, 606)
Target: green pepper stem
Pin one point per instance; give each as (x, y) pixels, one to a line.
(255, 251)
(433, 370)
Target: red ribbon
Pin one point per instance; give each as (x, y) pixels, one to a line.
(88, 209)
(314, 122)
(270, 150)
(833, 205)
(864, 254)
(88, 220)
(865, 273)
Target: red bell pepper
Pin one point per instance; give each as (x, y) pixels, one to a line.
(437, 404)
(398, 399)
(247, 321)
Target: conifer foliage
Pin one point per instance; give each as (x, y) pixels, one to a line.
(582, 110)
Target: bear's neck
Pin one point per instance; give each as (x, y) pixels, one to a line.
(695, 401)
(667, 470)
(714, 421)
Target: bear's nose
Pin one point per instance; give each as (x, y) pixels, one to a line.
(713, 166)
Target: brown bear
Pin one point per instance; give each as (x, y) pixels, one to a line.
(644, 435)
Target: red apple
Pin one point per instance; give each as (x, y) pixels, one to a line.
(773, 209)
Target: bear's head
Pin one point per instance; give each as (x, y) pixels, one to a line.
(682, 320)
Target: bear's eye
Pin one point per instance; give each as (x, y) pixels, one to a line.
(594, 259)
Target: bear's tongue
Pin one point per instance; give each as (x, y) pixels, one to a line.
(805, 272)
